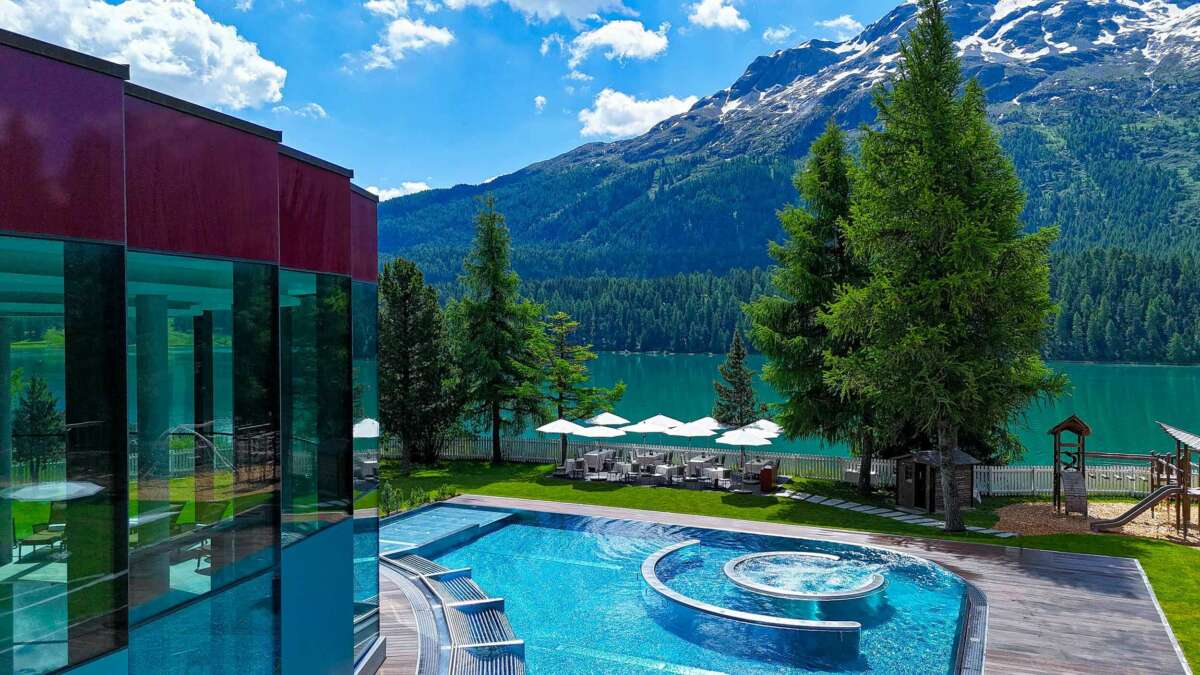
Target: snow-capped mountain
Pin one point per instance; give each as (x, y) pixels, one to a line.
(1022, 51)
(1096, 101)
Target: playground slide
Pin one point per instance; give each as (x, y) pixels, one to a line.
(1138, 509)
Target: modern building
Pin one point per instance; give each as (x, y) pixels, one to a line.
(187, 385)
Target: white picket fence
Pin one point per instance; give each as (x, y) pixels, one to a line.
(1130, 479)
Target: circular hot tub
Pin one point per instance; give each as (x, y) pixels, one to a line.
(803, 575)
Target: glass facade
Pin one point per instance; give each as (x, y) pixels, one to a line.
(62, 460)
(365, 353)
(203, 426)
(186, 348)
(316, 401)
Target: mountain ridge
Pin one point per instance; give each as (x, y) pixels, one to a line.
(1093, 99)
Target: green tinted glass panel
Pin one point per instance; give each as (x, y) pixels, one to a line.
(62, 454)
(316, 403)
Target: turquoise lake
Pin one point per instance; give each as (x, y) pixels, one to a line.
(1119, 401)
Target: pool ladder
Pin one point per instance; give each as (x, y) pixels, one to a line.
(481, 640)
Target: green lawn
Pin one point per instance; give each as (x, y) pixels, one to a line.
(1173, 569)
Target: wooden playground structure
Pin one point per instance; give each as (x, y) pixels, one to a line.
(1172, 475)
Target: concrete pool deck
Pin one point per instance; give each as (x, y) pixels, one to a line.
(1048, 612)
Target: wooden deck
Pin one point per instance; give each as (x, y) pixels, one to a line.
(1048, 612)
(403, 625)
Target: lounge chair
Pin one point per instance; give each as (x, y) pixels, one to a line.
(44, 534)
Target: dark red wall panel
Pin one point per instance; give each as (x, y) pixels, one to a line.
(314, 218)
(197, 186)
(60, 149)
(364, 233)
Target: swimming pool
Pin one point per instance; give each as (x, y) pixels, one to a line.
(575, 590)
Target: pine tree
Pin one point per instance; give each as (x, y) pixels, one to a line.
(953, 316)
(812, 264)
(39, 428)
(736, 405)
(501, 344)
(420, 396)
(567, 373)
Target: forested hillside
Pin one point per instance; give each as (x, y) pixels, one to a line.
(1115, 306)
(1101, 123)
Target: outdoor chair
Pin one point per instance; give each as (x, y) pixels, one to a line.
(44, 534)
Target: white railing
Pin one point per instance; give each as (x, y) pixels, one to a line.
(1126, 479)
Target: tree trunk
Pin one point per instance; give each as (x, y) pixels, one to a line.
(866, 452)
(497, 457)
(562, 439)
(947, 443)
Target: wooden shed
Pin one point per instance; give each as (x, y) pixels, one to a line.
(919, 484)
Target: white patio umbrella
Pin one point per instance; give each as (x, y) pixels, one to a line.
(559, 427)
(767, 425)
(53, 491)
(690, 431)
(607, 419)
(644, 428)
(366, 428)
(708, 423)
(743, 437)
(598, 432)
(662, 421)
(562, 427)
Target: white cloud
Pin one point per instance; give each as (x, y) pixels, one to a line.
(574, 11)
(623, 39)
(389, 8)
(844, 26)
(618, 114)
(550, 41)
(716, 14)
(243, 5)
(309, 110)
(578, 76)
(404, 35)
(406, 188)
(171, 46)
(539, 103)
(778, 34)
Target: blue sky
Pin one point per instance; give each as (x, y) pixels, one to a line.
(414, 93)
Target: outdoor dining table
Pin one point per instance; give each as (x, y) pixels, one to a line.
(696, 465)
(755, 468)
(650, 459)
(597, 458)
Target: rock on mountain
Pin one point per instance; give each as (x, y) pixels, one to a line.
(1089, 96)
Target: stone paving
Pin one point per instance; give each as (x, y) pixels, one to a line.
(899, 516)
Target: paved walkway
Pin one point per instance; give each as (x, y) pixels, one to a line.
(900, 516)
(1048, 612)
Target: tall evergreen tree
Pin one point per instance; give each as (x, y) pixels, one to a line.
(811, 265)
(736, 405)
(39, 428)
(501, 344)
(420, 392)
(954, 314)
(567, 375)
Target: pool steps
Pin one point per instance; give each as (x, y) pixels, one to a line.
(481, 639)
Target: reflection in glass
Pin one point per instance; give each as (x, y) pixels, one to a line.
(315, 392)
(62, 557)
(201, 439)
(366, 464)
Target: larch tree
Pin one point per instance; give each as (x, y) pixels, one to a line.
(420, 392)
(811, 264)
(736, 405)
(955, 311)
(567, 376)
(500, 341)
